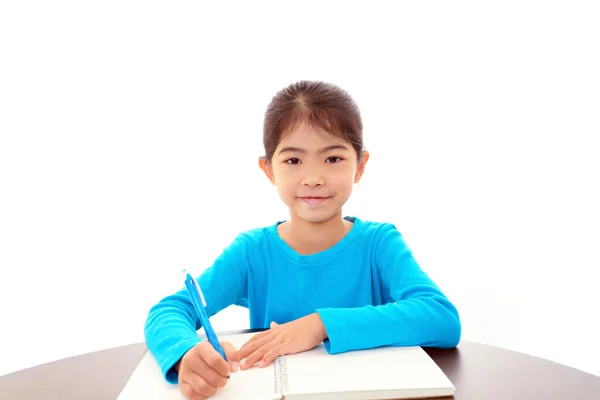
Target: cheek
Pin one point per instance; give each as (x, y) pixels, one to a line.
(285, 180)
(279, 174)
(342, 177)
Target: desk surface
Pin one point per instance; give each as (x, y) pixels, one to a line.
(478, 371)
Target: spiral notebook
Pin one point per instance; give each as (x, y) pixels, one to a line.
(381, 373)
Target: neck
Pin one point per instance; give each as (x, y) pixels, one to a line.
(312, 237)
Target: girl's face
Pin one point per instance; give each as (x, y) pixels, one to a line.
(314, 173)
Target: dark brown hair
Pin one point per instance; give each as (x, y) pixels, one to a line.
(321, 105)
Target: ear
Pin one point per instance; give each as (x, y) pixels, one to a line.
(360, 169)
(267, 168)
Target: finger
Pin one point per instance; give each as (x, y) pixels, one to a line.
(208, 390)
(188, 391)
(254, 338)
(272, 354)
(258, 354)
(210, 356)
(201, 370)
(250, 347)
(201, 387)
(273, 324)
(232, 354)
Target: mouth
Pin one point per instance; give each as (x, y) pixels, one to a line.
(313, 200)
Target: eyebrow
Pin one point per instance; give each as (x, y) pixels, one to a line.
(321, 151)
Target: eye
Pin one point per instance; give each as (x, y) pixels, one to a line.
(292, 161)
(333, 160)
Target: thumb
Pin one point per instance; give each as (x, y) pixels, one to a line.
(232, 354)
(273, 324)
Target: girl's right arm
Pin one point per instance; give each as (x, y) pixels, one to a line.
(170, 329)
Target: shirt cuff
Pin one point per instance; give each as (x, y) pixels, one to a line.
(335, 331)
(172, 355)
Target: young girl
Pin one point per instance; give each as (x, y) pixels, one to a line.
(316, 277)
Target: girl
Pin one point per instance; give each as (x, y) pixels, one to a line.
(317, 277)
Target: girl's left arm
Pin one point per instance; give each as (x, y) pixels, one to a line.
(418, 313)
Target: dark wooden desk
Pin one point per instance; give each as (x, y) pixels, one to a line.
(478, 371)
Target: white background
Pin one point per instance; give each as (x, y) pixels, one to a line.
(130, 133)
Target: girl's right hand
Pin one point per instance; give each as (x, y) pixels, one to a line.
(202, 369)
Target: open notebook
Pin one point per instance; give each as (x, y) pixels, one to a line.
(381, 373)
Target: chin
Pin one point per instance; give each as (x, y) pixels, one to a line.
(316, 217)
(314, 214)
(315, 220)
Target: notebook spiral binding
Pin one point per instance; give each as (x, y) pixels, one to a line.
(280, 371)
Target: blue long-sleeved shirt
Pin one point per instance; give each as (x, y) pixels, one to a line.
(368, 290)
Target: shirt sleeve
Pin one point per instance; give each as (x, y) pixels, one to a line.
(171, 325)
(417, 313)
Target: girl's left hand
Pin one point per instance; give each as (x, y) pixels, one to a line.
(294, 337)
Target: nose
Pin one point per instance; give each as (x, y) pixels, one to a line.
(313, 178)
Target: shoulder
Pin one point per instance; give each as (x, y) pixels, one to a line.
(386, 243)
(374, 229)
(247, 244)
(380, 235)
(255, 236)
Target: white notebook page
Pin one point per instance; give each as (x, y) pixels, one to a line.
(390, 372)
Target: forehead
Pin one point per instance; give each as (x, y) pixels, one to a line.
(306, 136)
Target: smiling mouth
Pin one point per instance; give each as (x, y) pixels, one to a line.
(313, 200)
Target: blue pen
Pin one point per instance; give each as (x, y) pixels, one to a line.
(199, 303)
